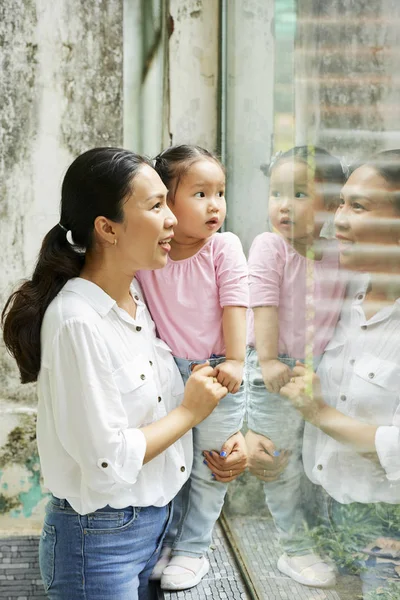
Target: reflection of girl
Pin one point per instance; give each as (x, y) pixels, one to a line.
(112, 433)
(352, 440)
(198, 304)
(304, 186)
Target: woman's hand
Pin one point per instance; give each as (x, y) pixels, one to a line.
(202, 392)
(265, 461)
(230, 462)
(304, 392)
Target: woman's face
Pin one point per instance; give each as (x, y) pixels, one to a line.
(143, 236)
(367, 223)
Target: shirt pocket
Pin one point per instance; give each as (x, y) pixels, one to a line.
(377, 383)
(135, 380)
(378, 372)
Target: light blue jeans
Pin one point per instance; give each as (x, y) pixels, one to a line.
(199, 503)
(106, 555)
(292, 499)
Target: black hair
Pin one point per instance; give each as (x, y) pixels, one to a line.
(326, 167)
(174, 162)
(387, 165)
(96, 184)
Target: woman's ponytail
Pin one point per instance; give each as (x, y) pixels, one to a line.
(23, 314)
(96, 184)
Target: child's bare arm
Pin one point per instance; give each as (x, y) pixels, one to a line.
(234, 330)
(266, 329)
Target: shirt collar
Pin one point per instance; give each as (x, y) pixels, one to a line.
(93, 294)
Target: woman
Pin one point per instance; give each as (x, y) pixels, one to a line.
(352, 438)
(113, 430)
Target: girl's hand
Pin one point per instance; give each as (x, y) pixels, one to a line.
(297, 391)
(265, 461)
(202, 392)
(275, 374)
(230, 462)
(230, 374)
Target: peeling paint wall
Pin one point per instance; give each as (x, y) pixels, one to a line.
(60, 94)
(193, 72)
(250, 122)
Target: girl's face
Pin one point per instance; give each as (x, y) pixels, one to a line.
(144, 235)
(295, 204)
(199, 202)
(367, 223)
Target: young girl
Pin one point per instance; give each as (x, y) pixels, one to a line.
(296, 294)
(198, 302)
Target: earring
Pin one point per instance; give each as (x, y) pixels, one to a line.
(115, 241)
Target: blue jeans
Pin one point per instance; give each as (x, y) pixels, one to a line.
(105, 555)
(292, 499)
(199, 503)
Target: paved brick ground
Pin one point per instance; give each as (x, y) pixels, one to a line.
(257, 539)
(223, 580)
(19, 569)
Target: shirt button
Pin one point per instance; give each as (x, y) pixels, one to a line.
(343, 397)
(159, 398)
(319, 467)
(104, 465)
(143, 376)
(150, 363)
(136, 297)
(363, 327)
(371, 375)
(360, 296)
(352, 361)
(138, 328)
(183, 469)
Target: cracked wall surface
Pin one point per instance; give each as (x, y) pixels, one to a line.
(60, 94)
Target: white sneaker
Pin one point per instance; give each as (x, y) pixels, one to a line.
(161, 564)
(308, 569)
(184, 572)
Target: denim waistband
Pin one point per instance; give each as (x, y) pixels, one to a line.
(185, 364)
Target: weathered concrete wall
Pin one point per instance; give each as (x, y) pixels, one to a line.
(60, 94)
(249, 115)
(193, 72)
(348, 75)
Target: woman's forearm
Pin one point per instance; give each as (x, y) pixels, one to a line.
(345, 429)
(161, 434)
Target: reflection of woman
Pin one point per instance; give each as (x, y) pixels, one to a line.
(352, 441)
(112, 431)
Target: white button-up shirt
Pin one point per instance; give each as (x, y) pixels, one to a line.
(360, 377)
(103, 376)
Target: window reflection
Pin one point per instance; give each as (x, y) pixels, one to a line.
(323, 409)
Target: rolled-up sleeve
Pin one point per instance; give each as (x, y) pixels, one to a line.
(265, 270)
(89, 416)
(231, 271)
(387, 443)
